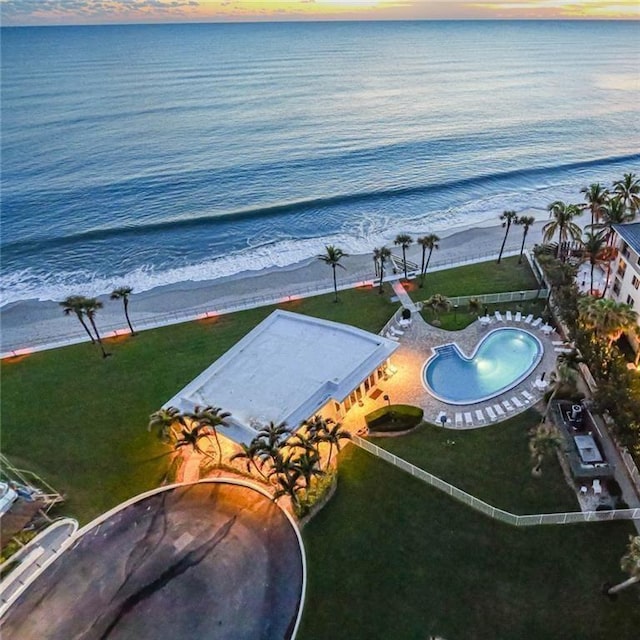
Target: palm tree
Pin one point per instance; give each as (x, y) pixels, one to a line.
(332, 432)
(508, 218)
(430, 241)
(123, 293)
(210, 418)
(596, 196)
(614, 212)
(190, 437)
(288, 483)
(381, 255)
(544, 442)
(91, 306)
(252, 452)
(607, 318)
(594, 244)
(628, 189)
(332, 257)
(629, 563)
(165, 422)
(308, 465)
(525, 222)
(404, 241)
(438, 304)
(273, 435)
(562, 224)
(75, 304)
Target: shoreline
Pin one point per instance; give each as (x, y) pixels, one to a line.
(32, 322)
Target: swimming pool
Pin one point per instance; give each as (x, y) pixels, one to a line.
(501, 360)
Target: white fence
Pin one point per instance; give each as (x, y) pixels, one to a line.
(498, 298)
(487, 509)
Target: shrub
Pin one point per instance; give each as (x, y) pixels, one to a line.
(406, 314)
(396, 417)
(613, 487)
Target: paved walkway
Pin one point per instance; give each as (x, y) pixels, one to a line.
(403, 296)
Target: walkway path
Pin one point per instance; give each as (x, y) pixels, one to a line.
(403, 296)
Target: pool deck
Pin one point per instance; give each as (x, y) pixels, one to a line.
(406, 386)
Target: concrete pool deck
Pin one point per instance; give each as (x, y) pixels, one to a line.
(213, 559)
(406, 386)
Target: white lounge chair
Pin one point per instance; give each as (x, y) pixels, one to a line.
(468, 420)
(557, 343)
(480, 416)
(391, 370)
(507, 405)
(537, 322)
(508, 316)
(498, 409)
(562, 350)
(491, 414)
(518, 317)
(404, 323)
(597, 487)
(391, 336)
(498, 316)
(527, 396)
(396, 331)
(516, 403)
(529, 318)
(546, 329)
(458, 419)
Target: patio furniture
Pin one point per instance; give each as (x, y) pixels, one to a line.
(546, 329)
(540, 384)
(390, 370)
(517, 403)
(480, 416)
(404, 323)
(518, 317)
(597, 487)
(583, 490)
(491, 414)
(484, 320)
(498, 316)
(537, 322)
(527, 396)
(396, 331)
(557, 343)
(562, 350)
(468, 420)
(508, 316)
(458, 419)
(529, 318)
(507, 405)
(391, 337)
(499, 411)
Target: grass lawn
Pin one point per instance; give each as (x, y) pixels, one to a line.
(491, 463)
(80, 421)
(477, 279)
(390, 557)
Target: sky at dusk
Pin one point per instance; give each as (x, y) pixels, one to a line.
(51, 12)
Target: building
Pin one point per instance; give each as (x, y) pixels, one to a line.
(626, 272)
(288, 369)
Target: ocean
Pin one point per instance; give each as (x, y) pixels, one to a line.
(150, 155)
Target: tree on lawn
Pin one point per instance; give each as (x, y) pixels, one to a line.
(167, 423)
(628, 189)
(544, 442)
(525, 222)
(629, 563)
(123, 293)
(381, 255)
(438, 304)
(91, 306)
(430, 242)
(332, 257)
(404, 241)
(75, 305)
(562, 224)
(508, 218)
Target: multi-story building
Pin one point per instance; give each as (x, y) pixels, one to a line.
(625, 285)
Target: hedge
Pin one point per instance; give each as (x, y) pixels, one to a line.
(396, 417)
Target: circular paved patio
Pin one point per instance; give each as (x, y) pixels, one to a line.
(207, 560)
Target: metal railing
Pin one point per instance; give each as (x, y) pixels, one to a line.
(489, 510)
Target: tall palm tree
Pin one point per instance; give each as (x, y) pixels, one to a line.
(629, 563)
(544, 442)
(628, 189)
(308, 464)
(274, 435)
(596, 197)
(123, 293)
(438, 304)
(614, 212)
(608, 318)
(166, 423)
(332, 432)
(508, 218)
(594, 244)
(404, 241)
(253, 453)
(91, 306)
(332, 257)
(382, 255)
(210, 418)
(430, 241)
(288, 483)
(190, 437)
(525, 222)
(75, 304)
(562, 223)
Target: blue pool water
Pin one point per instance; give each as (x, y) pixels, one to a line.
(501, 360)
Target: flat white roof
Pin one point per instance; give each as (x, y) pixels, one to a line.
(285, 370)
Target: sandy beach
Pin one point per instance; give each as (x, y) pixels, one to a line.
(34, 323)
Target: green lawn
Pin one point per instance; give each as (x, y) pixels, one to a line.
(491, 463)
(390, 557)
(477, 279)
(80, 421)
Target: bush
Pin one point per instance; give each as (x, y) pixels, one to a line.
(406, 314)
(621, 504)
(397, 417)
(613, 488)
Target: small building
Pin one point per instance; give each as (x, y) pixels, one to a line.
(626, 273)
(287, 369)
